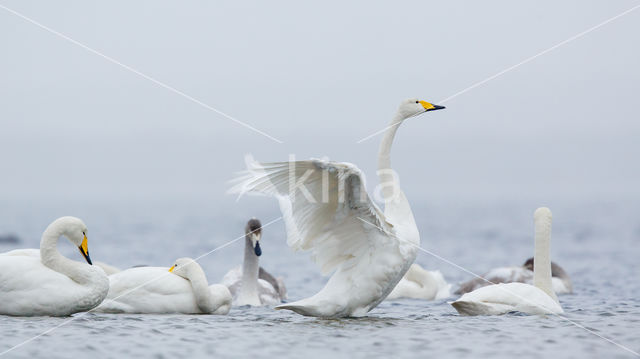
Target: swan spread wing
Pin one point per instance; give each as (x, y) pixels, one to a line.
(325, 213)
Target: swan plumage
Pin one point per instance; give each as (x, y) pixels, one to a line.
(251, 284)
(327, 211)
(419, 283)
(504, 298)
(41, 282)
(182, 288)
(560, 280)
(538, 298)
(107, 268)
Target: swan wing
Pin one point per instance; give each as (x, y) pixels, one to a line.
(148, 290)
(267, 293)
(23, 252)
(27, 287)
(276, 283)
(324, 212)
(233, 280)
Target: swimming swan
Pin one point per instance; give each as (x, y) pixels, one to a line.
(560, 280)
(538, 298)
(43, 282)
(183, 288)
(419, 283)
(251, 284)
(367, 250)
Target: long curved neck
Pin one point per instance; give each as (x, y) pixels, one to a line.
(200, 286)
(387, 178)
(51, 258)
(250, 271)
(542, 258)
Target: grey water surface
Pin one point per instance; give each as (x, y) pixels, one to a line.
(596, 242)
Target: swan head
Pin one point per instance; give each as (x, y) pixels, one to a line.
(413, 107)
(76, 231)
(253, 232)
(183, 266)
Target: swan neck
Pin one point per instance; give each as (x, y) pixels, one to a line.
(51, 258)
(542, 258)
(250, 271)
(386, 176)
(200, 286)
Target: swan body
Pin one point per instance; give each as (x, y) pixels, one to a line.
(538, 298)
(419, 283)
(182, 288)
(505, 298)
(44, 283)
(560, 281)
(250, 284)
(327, 211)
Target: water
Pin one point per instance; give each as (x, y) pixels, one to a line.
(597, 243)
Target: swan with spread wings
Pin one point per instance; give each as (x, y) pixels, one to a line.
(327, 211)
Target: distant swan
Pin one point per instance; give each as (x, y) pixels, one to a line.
(251, 284)
(183, 288)
(538, 298)
(367, 250)
(42, 282)
(560, 280)
(419, 283)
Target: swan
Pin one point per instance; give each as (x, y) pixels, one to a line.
(502, 298)
(419, 283)
(367, 250)
(44, 283)
(183, 288)
(107, 268)
(560, 280)
(251, 284)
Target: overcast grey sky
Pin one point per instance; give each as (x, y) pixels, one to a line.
(319, 77)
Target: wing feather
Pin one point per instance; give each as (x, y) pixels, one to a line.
(325, 206)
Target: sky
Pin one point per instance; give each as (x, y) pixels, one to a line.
(319, 77)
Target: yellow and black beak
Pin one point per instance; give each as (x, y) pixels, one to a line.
(430, 107)
(172, 268)
(84, 249)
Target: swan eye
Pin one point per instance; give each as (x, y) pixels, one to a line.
(417, 101)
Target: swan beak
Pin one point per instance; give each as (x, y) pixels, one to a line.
(84, 249)
(172, 268)
(430, 107)
(255, 240)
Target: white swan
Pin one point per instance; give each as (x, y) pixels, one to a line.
(419, 283)
(538, 298)
(182, 288)
(560, 280)
(368, 250)
(107, 268)
(251, 284)
(43, 282)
